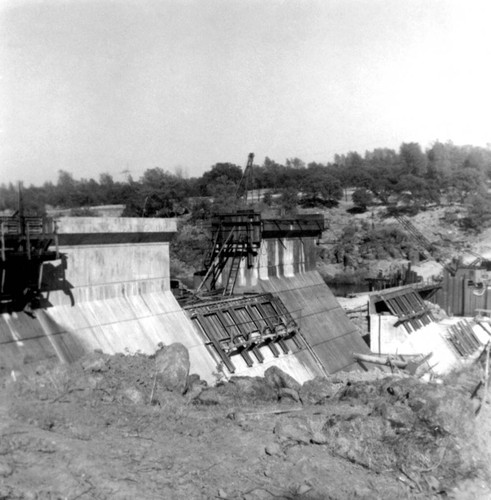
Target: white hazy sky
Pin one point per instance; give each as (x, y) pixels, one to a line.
(104, 86)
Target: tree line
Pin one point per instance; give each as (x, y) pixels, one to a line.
(411, 177)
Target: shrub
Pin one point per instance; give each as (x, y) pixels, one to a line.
(362, 198)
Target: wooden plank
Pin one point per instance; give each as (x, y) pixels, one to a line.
(465, 338)
(454, 338)
(472, 335)
(273, 348)
(297, 341)
(378, 360)
(246, 357)
(397, 310)
(257, 352)
(283, 346)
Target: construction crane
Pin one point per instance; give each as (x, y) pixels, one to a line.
(247, 180)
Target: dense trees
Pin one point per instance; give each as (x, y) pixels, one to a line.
(444, 173)
(318, 185)
(362, 198)
(413, 160)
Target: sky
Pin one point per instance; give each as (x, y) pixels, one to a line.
(122, 86)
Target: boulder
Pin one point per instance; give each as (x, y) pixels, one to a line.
(134, 395)
(209, 397)
(194, 387)
(317, 390)
(293, 430)
(249, 387)
(95, 364)
(284, 393)
(194, 379)
(172, 368)
(318, 438)
(279, 379)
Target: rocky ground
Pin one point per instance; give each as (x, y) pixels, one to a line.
(436, 224)
(139, 427)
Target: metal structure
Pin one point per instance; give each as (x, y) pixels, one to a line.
(24, 247)
(235, 237)
(247, 179)
(467, 289)
(242, 326)
(407, 305)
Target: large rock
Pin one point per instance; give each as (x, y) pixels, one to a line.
(94, 363)
(284, 394)
(293, 430)
(194, 387)
(172, 368)
(209, 396)
(318, 390)
(255, 388)
(278, 379)
(134, 395)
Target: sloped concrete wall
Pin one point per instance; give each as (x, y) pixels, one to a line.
(430, 339)
(109, 292)
(385, 338)
(131, 324)
(286, 267)
(332, 337)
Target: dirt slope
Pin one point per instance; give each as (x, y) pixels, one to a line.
(103, 430)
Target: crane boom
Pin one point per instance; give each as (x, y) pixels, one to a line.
(246, 180)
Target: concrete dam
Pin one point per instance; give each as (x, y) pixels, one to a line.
(108, 288)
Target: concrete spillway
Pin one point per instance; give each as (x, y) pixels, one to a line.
(110, 292)
(285, 265)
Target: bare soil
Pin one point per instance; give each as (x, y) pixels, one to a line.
(102, 429)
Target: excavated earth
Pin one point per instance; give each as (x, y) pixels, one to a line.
(106, 427)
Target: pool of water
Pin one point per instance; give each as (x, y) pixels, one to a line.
(346, 289)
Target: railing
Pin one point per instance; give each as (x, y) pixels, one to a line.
(35, 225)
